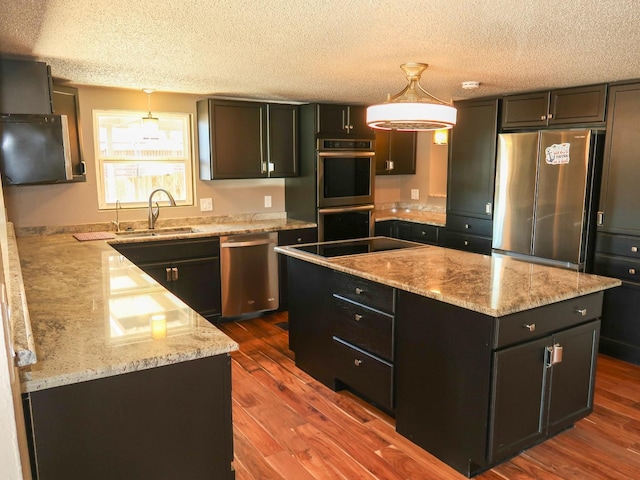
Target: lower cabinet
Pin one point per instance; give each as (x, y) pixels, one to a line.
(469, 388)
(163, 423)
(190, 269)
(416, 232)
(468, 233)
(291, 237)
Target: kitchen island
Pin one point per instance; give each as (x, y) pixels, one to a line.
(477, 357)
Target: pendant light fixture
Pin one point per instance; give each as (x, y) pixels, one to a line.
(413, 109)
(149, 119)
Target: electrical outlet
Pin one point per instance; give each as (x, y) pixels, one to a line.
(415, 194)
(206, 205)
(267, 201)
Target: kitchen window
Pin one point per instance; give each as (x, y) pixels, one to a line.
(134, 158)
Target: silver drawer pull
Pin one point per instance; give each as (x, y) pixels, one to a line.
(632, 271)
(359, 291)
(357, 317)
(466, 242)
(582, 311)
(634, 249)
(555, 355)
(466, 225)
(531, 327)
(357, 362)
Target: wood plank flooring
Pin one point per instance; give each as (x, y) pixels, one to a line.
(288, 426)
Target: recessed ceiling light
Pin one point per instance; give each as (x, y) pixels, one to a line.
(470, 85)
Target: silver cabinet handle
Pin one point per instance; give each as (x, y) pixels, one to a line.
(466, 242)
(359, 291)
(466, 225)
(169, 274)
(582, 311)
(357, 362)
(531, 327)
(632, 271)
(357, 317)
(543, 117)
(174, 273)
(600, 218)
(634, 249)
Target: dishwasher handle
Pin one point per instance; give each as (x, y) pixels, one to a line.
(249, 243)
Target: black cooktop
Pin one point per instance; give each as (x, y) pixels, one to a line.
(352, 247)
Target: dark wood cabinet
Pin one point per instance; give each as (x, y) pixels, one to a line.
(619, 195)
(618, 237)
(415, 232)
(339, 120)
(25, 87)
(291, 237)
(514, 386)
(65, 102)
(190, 269)
(566, 106)
(166, 422)
(395, 152)
(239, 139)
(471, 176)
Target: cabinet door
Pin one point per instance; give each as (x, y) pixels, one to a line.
(358, 122)
(197, 283)
(619, 195)
(403, 230)
(291, 237)
(620, 334)
(527, 110)
(472, 159)
(517, 407)
(332, 119)
(25, 87)
(578, 105)
(573, 378)
(385, 228)
(238, 140)
(283, 140)
(395, 153)
(65, 102)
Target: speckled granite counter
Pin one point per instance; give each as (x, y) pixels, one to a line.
(91, 309)
(495, 285)
(408, 215)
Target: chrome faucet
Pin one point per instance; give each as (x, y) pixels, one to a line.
(153, 213)
(116, 222)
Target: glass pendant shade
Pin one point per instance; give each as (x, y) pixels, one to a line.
(413, 109)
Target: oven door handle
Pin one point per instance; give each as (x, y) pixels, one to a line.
(358, 208)
(346, 153)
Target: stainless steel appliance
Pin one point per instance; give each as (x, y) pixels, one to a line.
(545, 193)
(346, 172)
(249, 273)
(341, 223)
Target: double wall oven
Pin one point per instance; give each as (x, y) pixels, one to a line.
(345, 188)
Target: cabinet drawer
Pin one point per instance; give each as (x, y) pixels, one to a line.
(365, 328)
(618, 267)
(364, 373)
(469, 243)
(424, 233)
(618, 245)
(153, 251)
(470, 225)
(530, 324)
(363, 291)
(301, 235)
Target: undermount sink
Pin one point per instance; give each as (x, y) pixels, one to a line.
(156, 232)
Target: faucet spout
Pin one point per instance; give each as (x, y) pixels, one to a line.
(154, 213)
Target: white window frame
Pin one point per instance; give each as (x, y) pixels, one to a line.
(136, 116)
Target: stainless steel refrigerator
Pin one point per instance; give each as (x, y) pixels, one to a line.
(545, 195)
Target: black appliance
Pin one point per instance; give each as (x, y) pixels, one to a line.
(341, 223)
(35, 149)
(358, 246)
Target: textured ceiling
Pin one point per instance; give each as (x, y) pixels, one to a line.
(326, 50)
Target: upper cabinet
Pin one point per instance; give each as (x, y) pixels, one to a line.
(619, 197)
(395, 152)
(240, 139)
(567, 106)
(340, 120)
(25, 87)
(65, 102)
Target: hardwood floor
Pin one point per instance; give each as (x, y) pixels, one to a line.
(288, 426)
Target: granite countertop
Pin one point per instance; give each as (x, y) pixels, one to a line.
(437, 219)
(495, 285)
(90, 308)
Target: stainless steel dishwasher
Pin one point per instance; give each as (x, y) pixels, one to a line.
(249, 273)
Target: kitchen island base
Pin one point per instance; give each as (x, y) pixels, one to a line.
(166, 422)
(471, 388)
